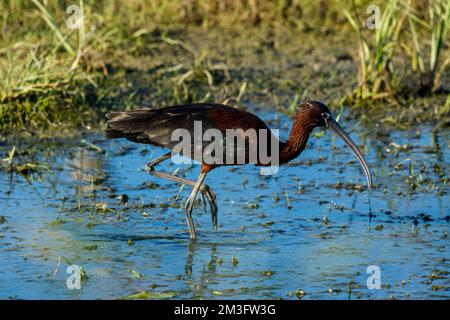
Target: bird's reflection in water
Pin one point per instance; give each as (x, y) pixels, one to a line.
(190, 259)
(199, 286)
(86, 169)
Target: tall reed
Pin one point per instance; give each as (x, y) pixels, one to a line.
(375, 61)
(436, 29)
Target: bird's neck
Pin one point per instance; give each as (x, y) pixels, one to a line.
(301, 129)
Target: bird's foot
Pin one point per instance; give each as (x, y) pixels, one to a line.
(149, 167)
(207, 191)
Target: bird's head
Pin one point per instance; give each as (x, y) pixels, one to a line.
(317, 114)
(314, 113)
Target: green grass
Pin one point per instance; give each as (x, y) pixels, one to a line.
(379, 73)
(52, 76)
(375, 62)
(436, 28)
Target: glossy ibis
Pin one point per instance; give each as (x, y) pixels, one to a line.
(155, 126)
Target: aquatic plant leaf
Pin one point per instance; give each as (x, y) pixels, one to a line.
(152, 295)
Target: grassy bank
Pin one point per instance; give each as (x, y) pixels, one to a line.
(128, 54)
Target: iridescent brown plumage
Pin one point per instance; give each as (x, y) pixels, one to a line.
(156, 127)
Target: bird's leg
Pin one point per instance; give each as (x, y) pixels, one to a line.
(149, 167)
(190, 205)
(204, 189)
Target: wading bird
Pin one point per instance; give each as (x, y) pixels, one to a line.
(156, 126)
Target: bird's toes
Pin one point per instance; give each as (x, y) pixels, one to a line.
(207, 190)
(204, 201)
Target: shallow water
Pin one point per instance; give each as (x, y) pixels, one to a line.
(323, 238)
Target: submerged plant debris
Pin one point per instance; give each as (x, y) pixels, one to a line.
(131, 239)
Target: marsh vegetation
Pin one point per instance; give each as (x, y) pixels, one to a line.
(53, 74)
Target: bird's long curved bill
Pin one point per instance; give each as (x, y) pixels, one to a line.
(336, 128)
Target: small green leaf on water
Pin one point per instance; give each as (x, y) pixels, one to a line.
(56, 222)
(267, 273)
(93, 147)
(217, 293)
(436, 287)
(379, 227)
(267, 224)
(91, 247)
(152, 295)
(136, 274)
(252, 205)
(83, 274)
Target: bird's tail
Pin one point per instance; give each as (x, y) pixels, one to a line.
(127, 124)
